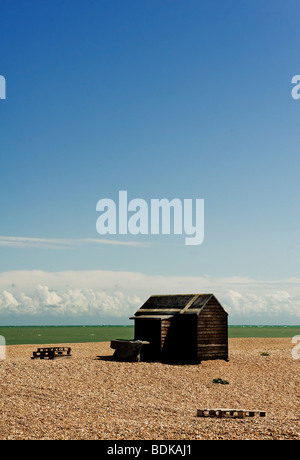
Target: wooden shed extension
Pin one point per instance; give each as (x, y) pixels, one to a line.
(183, 328)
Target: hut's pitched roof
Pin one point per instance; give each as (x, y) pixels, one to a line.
(160, 305)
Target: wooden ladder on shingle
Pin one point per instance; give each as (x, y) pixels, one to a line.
(233, 413)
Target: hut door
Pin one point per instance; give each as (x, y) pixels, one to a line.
(149, 330)
(181, 340)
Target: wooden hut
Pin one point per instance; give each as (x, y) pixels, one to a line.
(182, 328)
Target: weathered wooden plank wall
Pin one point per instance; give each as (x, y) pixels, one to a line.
(212, 332)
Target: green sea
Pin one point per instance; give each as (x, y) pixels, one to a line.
(17, 335)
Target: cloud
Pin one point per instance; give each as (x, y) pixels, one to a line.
(27, 242)
(98, 295)
(273, 304)
(69, 303)
(59, 243)
(8, 301)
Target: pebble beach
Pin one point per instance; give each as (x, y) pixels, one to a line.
(90, 396)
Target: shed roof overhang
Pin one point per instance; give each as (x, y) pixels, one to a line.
(152, 317)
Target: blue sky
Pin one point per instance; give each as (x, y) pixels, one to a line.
(164, 99)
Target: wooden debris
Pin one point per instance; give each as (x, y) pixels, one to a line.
(51, 352)
(232, 413)
(127, 350)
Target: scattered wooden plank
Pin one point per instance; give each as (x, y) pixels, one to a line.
(233, 413)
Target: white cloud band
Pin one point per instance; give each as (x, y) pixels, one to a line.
(102, 294)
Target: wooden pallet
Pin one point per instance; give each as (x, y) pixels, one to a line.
(51, 352)
(232, 413)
